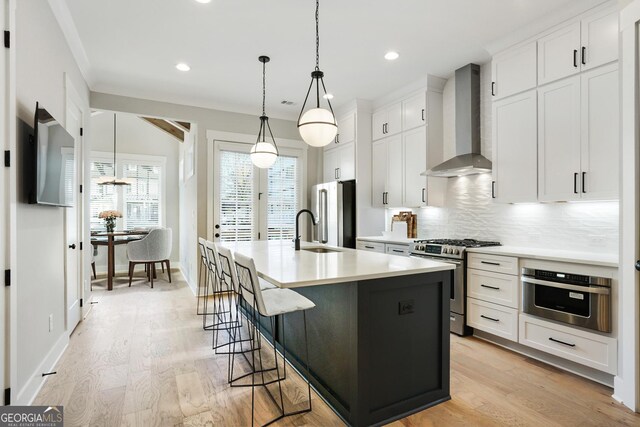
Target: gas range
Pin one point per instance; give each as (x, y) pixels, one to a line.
(447, 248)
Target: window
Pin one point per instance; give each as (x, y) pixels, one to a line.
(256, 203)
(140, 203)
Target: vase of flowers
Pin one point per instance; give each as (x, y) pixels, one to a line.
(110, 219)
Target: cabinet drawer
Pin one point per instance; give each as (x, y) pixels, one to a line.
(495, 263)
(493, 318)
(586, 348)
(397, 249)
(493, 287)
(370, 246)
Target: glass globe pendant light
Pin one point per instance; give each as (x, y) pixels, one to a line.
(265, 151)
(317, 126)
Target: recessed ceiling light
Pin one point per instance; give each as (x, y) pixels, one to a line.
(203, 1)
(183, 67)
(391, 55)
(328, 96)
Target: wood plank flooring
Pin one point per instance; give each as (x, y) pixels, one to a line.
(141, 358)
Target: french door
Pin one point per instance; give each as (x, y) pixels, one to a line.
(252, 203)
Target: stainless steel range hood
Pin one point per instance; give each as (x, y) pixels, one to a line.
(468, 160)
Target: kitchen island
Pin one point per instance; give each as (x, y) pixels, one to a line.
(379, 334)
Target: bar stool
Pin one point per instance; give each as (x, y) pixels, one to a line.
(202, 284)
(235, 332)
(270, 303)
(221, 291)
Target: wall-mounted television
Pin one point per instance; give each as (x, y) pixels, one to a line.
(51, 162)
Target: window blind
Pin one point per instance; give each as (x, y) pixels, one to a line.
(142, 197)
(237, 190)
(282, 200)
(102, 197)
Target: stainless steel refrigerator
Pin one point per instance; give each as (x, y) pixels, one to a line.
(334, 204)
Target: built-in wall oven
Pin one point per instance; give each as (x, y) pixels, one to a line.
(452, 251)
(575, 299)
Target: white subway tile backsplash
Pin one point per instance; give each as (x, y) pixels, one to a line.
(470, 212)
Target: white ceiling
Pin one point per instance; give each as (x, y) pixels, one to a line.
(132, 46)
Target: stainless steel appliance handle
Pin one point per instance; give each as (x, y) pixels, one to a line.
(323, 235)
(587, 289)
(433, 258)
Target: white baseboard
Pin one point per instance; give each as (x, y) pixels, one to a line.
(30, 390)
(617, 385)
(191, 285)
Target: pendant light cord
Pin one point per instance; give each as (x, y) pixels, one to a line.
(114, 144)
(264, 85)
(317, 35)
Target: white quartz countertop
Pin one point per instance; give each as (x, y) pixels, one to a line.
(381, 239)
(279, 263)
(604, 260)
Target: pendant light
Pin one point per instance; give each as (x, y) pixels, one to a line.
(112, 180)
(317, 126)
(265, 151)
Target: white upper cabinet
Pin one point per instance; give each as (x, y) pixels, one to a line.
(346, 129)
(339, 163)
(559, 140)
(599, 39)
(414, 112)
(514, 71)
(600, 133)
(387, 121)
(580, 46)
(559, 54)
(515, 154)
(394, 171)
(415, 162)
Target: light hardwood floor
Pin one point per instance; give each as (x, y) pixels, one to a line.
(141, 358)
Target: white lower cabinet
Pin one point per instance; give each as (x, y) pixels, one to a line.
(394, 249)
(491, 287)
(384, 247)
(586, 348)
(493, 318)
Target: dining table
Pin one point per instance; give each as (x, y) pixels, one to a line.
(110, 240)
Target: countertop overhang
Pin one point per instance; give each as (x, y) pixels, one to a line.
(279, 263)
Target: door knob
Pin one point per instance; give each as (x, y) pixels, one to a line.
(638, 265)
(217, 226)
(72, 246)
(217, 235)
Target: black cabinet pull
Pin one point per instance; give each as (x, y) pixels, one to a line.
(584, 190)
(335, 173)
(575, 58)
(495, 288)
(561, 342)
(584, 55)
(369, 247)
(424, 200)
(338, 173)
(383, 200)
(493, 189)
(423, 114)
(337, 141)
(489, 263)
(575, 183)
(489, 318)
(493, 88)
(397, 250)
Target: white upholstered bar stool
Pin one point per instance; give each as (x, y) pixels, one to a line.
(221, 291)
(270, 303)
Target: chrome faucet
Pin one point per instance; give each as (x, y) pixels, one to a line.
(313, 219)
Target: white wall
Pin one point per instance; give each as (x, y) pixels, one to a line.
(470, 212)
(42, 59)
(205, 119)
(136, 136)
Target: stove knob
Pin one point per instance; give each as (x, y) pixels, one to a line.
(456, 251)
(446, 251)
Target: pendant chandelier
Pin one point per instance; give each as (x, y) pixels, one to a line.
(112, 180)
(317, 126)
(265, 151)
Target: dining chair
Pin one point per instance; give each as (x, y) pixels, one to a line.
(153, 248)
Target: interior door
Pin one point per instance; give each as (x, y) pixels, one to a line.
(73, 221)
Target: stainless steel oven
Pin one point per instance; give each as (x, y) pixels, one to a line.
(575, 299)
(453, 252)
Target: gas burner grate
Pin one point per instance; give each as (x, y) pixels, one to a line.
(467, 243)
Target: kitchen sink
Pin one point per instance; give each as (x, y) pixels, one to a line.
(320, 250)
